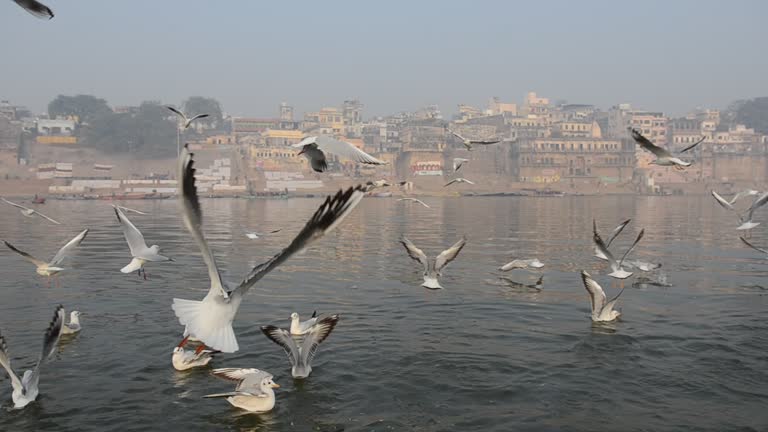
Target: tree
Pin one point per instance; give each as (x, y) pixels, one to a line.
(85, 107)
(202, 105)
(753, 113)
(148, 131)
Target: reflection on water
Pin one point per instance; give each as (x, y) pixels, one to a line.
(486, 353)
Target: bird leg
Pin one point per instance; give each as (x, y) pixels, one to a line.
(145, 274)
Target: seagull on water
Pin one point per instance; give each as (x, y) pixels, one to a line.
(314, 149)
(663, 156)
(73, 326)
(522, 264)
(254, 235)
(25, 390)
(616, 231)
(371, 185)
(51, 268)
(254, 391)
(746, 223)
(458, 180)
(433, 267)
(299, 327)
(28, 212)
(617, 271)
(185, 120)
(35, 8)
(458, 163)
(184, 360)
(468, 143)
(602, 311)
(210, 320)
(140, 252)
(301, 351)
(414, 200)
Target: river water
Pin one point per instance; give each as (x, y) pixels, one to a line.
(689, 353)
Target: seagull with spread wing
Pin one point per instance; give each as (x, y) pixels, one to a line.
(28, 212)
(186, 122)
(210, 320)
(35, 8)
(468, 143)
(458, 180)
(25, 390)
(314, 149)
(663, 156)
(416, 200)
(301, 350)
(51, 268)
(433, 267)
(254, 391)
(617, 270)
(602, 310)
(140, 252)
(533, 263)
(616, 231)
(458, 163)
(745, 220)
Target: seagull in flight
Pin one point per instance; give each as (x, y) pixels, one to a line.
(51, 268)
(185, 120)
(299, 327)
(301, 351)
(433, 267)
(663, 156)
(617, 271)
(254, 391)
(522, 264)
(28, 212)
(210, 320)
(616, 231)
(36, 8)
(140, 252)
(458, 163)
(602, 310)
(746, 222)
(25, 390)
(458, 180)
(314, 149)
(414, 200)
(468, 143)
(643, 266)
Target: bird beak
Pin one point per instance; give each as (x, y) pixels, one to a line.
(275, 385)
(301, 152)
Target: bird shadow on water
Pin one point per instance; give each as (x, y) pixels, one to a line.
(244, 421)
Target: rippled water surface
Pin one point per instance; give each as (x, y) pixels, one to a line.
(478, 355)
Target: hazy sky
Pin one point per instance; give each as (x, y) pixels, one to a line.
(392, 55)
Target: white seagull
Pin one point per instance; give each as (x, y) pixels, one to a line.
(51, 268)
(468, 143)
(433, 267)
(301, 351)
(210, 320)
(25, 390)
(458, 180)
(184, 360)
(616, 231)
(458, 163)
(522, 264)
(663, 156)
(617, 271)
(746, 223)
(254, 391)
(315, 147)
(73, 326)
(130, 210)
(35, 8)
(254, 235)
(140, 252)
(28, 212)
(601, 310)
(414, 200)
(186, 121)
(377, 184)
(299, 327)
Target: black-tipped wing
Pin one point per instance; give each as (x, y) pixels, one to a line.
(283, 338)
(692, 145)
(68, 248)
(316, 336)
(5, 361)
(720, 200)
(327, 217)
(601, 245)
(35, 8)
(415, 253)
(133, 236)
(759, 202)
(177, 112)
(616, 231)
(199, 116)
(26, 256)
(50, 342)
(753, 246)
(449, 254)
(649, 146)
(596, 293)
(637, 240)
(485, 142)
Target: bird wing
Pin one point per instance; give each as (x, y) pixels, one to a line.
(596, 293)
(457, 135)
(753, 246)
(601, 245)
(449, 254)
(35, 8)
(514, 264)
(415, 253)
(192, 215)
(616, 231)
(691, 146)
(46, 217)
(759, 202)
(14, 204)
(178, 113)
(720, 200)
(199, 116)
(316, 336)
(467, 181)
(67, 248)
(132, 234)
(128, 209)
(26, 256)
(451, 182)
(345, 149)
(327, 217)
(637, 240)
(283, 338)
(5, 361)
(648, 145)
(493, 141)
(612, 302)
(50, 341)
(742, 194)
(234, 374)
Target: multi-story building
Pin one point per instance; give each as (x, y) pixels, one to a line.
(496, 107)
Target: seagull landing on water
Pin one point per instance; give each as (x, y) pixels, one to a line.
(140, 252)
(314, 149)
(746, 222)
(616, 231)
(602, 311)
(663, 156)
(458, 163)
(73, 326)
(522, 264)
(254, 391)
(299, 327)
(617, 271)
(36, 8)
(184, 119)
(414, 200)
(433, 267)
(458, 180)
(210, 320)
(28, 212)
(51, 268)
(25, 390)
(300, 350)
(184, 360)
(468, 143)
